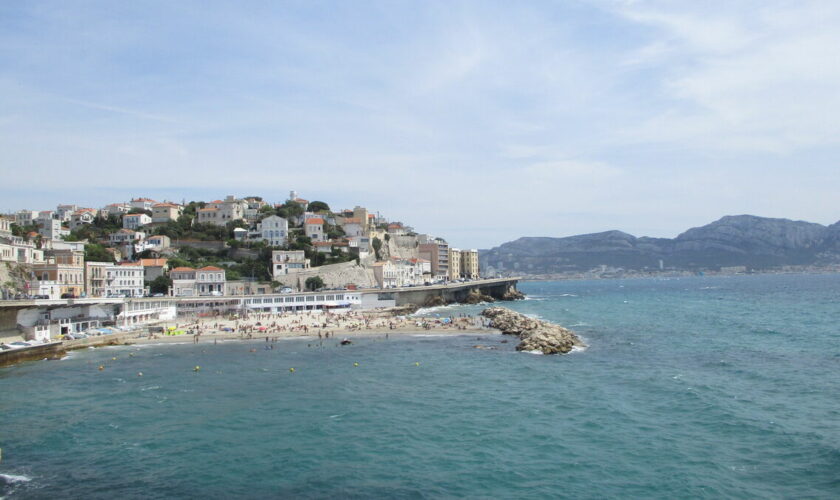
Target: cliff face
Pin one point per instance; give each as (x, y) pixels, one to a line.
(742, 240)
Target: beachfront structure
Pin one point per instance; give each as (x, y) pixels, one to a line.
(285, 262)
(154, 268)
(124, 280)
(313, 227)
(96, 278)
(454, 264)
(64, 266)
(165, 212)
(469, 264)
(189, 282)
(395, 272)
(436, 252)
(135, 221)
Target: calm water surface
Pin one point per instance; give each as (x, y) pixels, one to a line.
(691, 388)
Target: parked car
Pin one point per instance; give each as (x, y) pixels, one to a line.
(68, 296)
(286, 289)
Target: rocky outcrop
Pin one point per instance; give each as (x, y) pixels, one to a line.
(513, 294)
(534, 334)
(476, 297)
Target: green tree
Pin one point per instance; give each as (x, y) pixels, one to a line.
(160, 284)
(314, 282)
(94, 252)
(377, 246)
(316, 206)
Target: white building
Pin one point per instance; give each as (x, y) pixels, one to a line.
(189, 282)
(117, 209)
(125, 236)
(142, 203)
(285, 262)
(124, 279)
(53, 230)
(135, 221)
(314, 228)
(82, 217)
(274, 230)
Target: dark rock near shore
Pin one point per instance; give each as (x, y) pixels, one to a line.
(534, 334)
(513, 294)
(476, 297)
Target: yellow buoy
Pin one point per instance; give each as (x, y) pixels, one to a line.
(355, 364)
(113, 359)
(197, 368)
(292, 370)
(417, 364)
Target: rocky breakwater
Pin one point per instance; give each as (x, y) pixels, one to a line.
(534, 334)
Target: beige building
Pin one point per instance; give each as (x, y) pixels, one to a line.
(469, 264)
(165, 212)
(96, 278)
(66, 268)
(454, 264)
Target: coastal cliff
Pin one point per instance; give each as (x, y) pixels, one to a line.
(534, 334)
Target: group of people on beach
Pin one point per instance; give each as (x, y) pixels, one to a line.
(323, 324)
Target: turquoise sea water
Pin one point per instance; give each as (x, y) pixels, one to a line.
(724, 387)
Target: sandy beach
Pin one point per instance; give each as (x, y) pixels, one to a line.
(319, 325)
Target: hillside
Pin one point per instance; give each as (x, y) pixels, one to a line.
(740, 240)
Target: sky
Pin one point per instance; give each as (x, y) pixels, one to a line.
(480, 122)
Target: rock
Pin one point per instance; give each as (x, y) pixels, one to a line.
(513, 294)
(534, 334)
(476, 297)
(434, 301)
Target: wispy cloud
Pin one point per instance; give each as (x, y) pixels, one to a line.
(643, 116)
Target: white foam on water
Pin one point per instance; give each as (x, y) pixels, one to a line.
(578, 348)
(567, 295)
(150, 388)
(535, 351)
(15, 478)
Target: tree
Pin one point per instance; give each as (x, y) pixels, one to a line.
(160, 284)
(377, 245)
(95, 252)
(316, 206)
(313, 283)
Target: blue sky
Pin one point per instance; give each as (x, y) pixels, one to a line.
(478, 121)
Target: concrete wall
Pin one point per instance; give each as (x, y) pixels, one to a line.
(334, 276)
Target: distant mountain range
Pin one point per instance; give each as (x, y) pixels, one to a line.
(735, 240)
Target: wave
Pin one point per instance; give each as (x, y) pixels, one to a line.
(536, 352)
(14, 478)
(567, 295)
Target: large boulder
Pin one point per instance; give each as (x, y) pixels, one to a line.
(534, 334)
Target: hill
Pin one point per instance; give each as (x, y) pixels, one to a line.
(740, 240)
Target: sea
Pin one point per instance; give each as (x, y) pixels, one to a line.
(691, 387)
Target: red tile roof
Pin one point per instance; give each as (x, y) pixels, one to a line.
(210, 268)
(153, 262)
(315, 220)
(183, 270)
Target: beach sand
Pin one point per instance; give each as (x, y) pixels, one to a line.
(257, 326)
